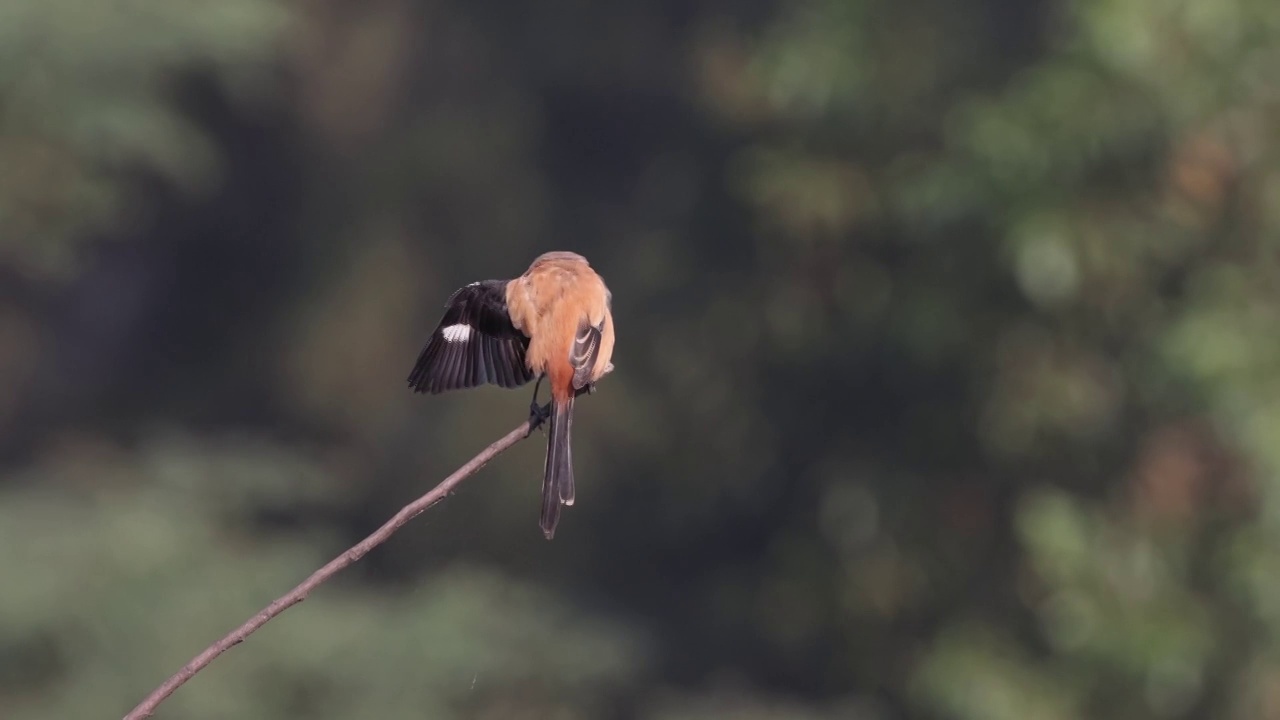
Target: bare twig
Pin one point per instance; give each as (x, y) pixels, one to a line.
(359, 550)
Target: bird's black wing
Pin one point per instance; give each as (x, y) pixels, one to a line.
(586, 348)
(475, 343)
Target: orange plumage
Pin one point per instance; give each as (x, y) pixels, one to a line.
(550, 303)
(563, 306)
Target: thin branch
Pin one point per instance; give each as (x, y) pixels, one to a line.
(359, 550)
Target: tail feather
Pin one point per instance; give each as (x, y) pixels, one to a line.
(557, 480)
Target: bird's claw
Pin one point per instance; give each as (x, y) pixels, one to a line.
(537, 415)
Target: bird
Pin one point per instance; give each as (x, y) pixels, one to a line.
(555, 321)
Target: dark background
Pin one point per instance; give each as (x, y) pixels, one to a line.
(948, 370)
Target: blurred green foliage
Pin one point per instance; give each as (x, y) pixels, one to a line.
(85, 97)
(947, 379)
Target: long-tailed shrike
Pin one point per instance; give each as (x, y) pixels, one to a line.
(554, 321)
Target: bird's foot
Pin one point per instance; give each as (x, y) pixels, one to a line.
(537, 415)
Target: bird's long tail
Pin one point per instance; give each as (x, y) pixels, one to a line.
(557, 479)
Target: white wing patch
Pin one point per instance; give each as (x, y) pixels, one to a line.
(456, 333)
